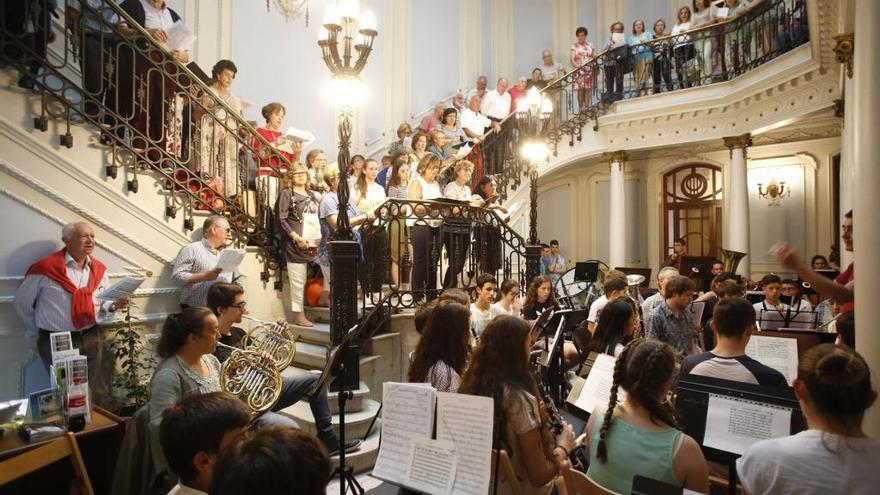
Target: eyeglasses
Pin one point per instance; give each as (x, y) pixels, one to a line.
(240, 305)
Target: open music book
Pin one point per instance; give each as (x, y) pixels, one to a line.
(457, 461)
(779, 353)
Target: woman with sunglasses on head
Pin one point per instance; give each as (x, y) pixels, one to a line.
(296, 207)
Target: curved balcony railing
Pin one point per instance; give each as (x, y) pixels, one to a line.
(153, 113)
(415, 249)
(710, 54)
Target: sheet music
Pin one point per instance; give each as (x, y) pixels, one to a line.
(121, 290)
(230, 259)
(407, 415)
(463, 151)
(597, 387)
(733, 425)
(466, 421)
(779, 353)
(180, 37)
(432, 465)
(696, 308)
(722, 12)
(311, 228)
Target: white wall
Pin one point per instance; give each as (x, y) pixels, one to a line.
(435, 41)
(532, 27)
(554, 218)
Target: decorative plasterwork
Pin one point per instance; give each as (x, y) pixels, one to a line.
(844, 49)
(826, 22)
(80, 212)
(615, 156)
(738, 142)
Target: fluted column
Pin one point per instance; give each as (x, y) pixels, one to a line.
(737, 238)
(865, 105)
(617, 209)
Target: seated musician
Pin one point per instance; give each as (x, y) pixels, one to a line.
(672, 322)
(733, 322)
(194, 432)
(792, 289)
(499, 369)
(639, 436)
(540, 297)
(275, 460)
(228, 303)
(615, 287)
(833, 455)
(617, 324)
(442, 352)
(482, 309)
(774, 308)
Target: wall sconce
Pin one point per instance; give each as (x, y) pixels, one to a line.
(774, 193)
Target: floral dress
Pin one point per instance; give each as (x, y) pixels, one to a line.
(583, 54)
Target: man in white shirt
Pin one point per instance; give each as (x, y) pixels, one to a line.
(665, 274)
(771, 311)
(615, 287)
(195, 264)
(479, 91)
(194, 432)
(473, 123)
(58, 295)
(482, 311)
(792, 289)
(557, 265)
(496, 104)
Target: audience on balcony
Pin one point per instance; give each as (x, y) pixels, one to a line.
(683, 48)
(662, 67)
(496, 103)
(398, 183)
(437, 146)
(705, 14)
(419, 148)
(479, 90)
(404, 131)
(270, 168)
(486, 237)
(615, 62)
(518, 91)
(457, 236)
(296, 214)
(643, 55)
(355, 167)
(549, 68)
(195, 264)
(582, 52)
(537, 80)
(433, 119)
(316, 160)
(366, 196)
(217, 133)
(451, 130)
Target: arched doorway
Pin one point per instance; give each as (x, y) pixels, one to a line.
(692, 197)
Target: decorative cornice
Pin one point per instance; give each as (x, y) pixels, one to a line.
(47, 191)
(844, 48)
(737, 142)
(615, 156)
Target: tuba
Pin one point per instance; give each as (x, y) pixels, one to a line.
(730, 260)
(633, 281)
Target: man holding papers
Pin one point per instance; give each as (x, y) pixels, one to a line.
(733, 323)
(198, 264)
(58, 295)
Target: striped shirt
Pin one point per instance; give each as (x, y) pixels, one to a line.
(43, 304)
(194, 258)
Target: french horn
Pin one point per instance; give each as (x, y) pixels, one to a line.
(272, 338)
(250, 377)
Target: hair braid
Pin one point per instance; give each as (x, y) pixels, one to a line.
(619, 374)
(646, 387)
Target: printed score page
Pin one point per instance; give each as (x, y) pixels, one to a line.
(597, 386)
(779, 353)
(466, 421)
(733, 425)
(407, 415)
(431, 468)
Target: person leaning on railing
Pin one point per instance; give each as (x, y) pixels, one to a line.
(615, 61)
(662, 68)
(425, 231)
(682, 48)
(458, 243)
(644, 58)
(270, 166)
(398, 181)
(367, 194)
(582, 52)
(705, 15)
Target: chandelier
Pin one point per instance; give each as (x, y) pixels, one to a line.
(346, 39)
(291, 9)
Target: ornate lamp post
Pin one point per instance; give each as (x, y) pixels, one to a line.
(346, 41)
(532, 116)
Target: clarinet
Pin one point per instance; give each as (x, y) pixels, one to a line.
(554, 419)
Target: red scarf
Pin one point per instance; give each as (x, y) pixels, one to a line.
(82, 308)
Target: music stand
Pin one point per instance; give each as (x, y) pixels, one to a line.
(564, 321)
(692, 403)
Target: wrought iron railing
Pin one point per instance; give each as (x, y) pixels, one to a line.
(415, 249)
(154, 113)
(710, 54)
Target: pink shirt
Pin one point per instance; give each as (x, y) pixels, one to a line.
(429, 122)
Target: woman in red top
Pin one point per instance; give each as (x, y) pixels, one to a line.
(269, 166)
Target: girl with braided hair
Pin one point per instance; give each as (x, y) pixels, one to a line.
(833, 455)
(499, 369)
(639, 435)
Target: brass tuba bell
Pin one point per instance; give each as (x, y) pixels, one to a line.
(730, 260)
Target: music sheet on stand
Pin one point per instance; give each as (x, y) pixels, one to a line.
(779, 353)
(597, 387)
(466, 421)
(407, 414)
(432, 465)
(733, 425)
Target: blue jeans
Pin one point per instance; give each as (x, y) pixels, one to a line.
(292, 390)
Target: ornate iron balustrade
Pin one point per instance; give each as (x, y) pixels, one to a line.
(415, 249)
(710, 54)
(153, 113)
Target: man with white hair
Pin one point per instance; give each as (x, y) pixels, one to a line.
(58, 295)
(432, 120)
(479, 91)
(496, 104)
(663, 276)
(196, 264)
(550, 69)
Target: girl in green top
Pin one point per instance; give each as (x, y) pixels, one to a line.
(639, 436)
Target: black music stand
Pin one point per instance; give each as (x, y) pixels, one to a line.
(692, 402)
(563, 322)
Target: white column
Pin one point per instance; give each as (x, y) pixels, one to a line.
(396, 27)
(865, 104)
(470, 54)
(212, 24)
(565, 19)
(501, 23)
(737, 190)
(617, 210)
